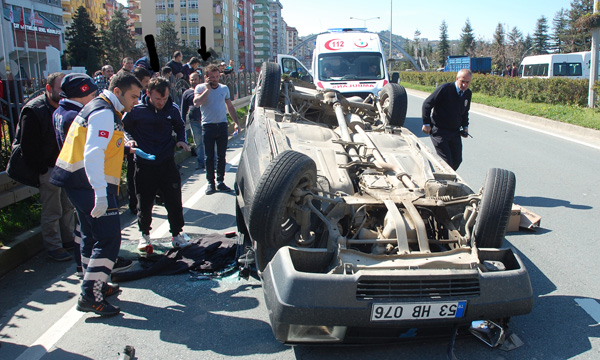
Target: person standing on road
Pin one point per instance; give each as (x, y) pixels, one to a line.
(103, 80)
(126, 64)
(190, 67)
(40, 149)
(89, 167)
(193, 115)
(214, 102)
(450, 103)
(176, 65)
(77, 91)
(149, 127)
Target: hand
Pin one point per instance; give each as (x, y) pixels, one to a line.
(100, 206)
(183, 146)
(143, 155)
(131, 143)
(426, 129)
(465, 133)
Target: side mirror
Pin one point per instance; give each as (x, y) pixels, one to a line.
(395, 77)
(307, 78)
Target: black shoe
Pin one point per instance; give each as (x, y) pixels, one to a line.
(210, 189)
(110, 290)
(223, 188)
(102, 308)
(122, 264)
(60, 255)
(69, 245)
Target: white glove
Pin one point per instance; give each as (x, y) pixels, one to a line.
(100, 207)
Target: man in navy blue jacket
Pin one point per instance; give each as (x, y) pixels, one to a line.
(149, 127)
(450, 119)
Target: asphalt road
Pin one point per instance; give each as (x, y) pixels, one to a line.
(174, 317)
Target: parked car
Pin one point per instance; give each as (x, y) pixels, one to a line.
(360, 232)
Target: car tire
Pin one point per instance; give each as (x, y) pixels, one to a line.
(269, 223)
(268, 85)
(494, 208)
(394, 101)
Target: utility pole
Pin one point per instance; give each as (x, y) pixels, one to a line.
(594, 61)
(390, 57)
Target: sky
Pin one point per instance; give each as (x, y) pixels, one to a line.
(315, 16)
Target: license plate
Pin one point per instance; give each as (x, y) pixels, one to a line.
(418, 311)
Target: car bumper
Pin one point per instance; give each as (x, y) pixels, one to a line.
(309, 306)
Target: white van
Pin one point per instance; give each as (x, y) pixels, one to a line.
(350, 61)
(573, 65)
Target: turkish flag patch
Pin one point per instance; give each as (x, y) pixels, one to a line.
(103, 133)
(84, 88)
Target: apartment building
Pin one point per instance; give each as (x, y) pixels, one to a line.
(262, 32)
(277, 29)
(220, 18)
(246, 34)
(292, 38)
(95, 8)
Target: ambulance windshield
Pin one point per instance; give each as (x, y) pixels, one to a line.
(351, 66)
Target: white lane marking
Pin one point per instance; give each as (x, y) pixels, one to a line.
(44, 343)
(592, 307)
(163, 229)
(530, 127)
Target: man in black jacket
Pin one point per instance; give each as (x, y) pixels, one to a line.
(149, 127)
(450, 119)
(176, 65)
(40, 150)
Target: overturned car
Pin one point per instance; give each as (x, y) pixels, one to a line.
(360, 232)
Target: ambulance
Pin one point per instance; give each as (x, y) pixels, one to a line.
(350, 61)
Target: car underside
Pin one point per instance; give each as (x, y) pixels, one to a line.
(362, 233)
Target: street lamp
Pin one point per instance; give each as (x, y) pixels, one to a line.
(365, 20)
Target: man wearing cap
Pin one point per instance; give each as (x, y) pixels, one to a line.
(89, 167)
(38, 144)
(77, 91)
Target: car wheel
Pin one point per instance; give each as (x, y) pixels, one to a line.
(394, 101)
(271, 223)
(494, 208)
(268, 85)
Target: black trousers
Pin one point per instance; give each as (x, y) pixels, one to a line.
(448, 145)
(215, 134)
(149, 179)
(131, 182)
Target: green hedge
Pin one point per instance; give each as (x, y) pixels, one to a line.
(549, 91)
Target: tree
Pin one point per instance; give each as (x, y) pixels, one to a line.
(167, 41)
(117, 41)
(417, 40)
(540, 36)
(515, 47)
(578, 39)
(443, 48)
(83, 44)
(467, 40)
(560, 29)
(499, 47)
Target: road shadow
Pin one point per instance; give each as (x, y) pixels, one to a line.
(209, 220)
(202, 315)
(12, 351)
(541, 201)
(415, 124)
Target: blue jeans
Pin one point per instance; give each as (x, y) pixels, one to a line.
(215, 134)
(196, 128)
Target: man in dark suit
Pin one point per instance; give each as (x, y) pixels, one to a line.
(450, 103)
